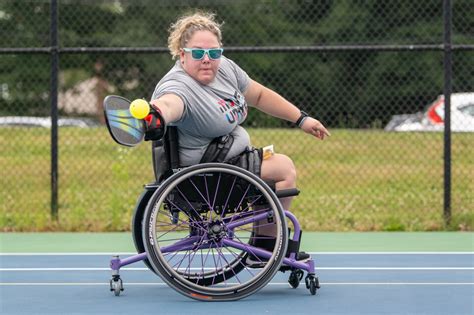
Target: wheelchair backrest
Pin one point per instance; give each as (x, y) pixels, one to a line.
(165, 155)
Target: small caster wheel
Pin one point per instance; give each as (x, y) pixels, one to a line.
(312, 283)
(116, 286)
(295, 278)
(313, 286)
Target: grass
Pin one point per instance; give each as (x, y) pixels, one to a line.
(355, 181)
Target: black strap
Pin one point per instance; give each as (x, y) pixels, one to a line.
(155, 126)
(293, 247)
(268, 243)
(218, 149)
(300, 119)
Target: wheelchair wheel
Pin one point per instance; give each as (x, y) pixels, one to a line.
(137, 222)
(198, 232)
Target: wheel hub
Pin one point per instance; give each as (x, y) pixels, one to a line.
(216, 231)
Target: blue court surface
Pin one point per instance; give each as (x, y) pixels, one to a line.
(351, 283)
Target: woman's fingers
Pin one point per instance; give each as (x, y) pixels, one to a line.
(317, 129)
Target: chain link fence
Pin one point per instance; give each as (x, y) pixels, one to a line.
(354, 65)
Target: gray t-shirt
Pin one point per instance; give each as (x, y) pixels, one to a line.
(210, 111)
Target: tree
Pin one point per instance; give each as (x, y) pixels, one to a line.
(343, 88)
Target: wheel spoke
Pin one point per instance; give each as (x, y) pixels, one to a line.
(230, 249)
(215, 265)
(180, 261)
(169, 231)
(223, 256)
(199, 192)
(194, 252)
(189, 203)
(243, 197)
(249, 248)
(228, 197)
(207, 191)
(182, 221)
(217, 189)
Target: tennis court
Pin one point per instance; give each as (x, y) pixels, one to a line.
(365, 273)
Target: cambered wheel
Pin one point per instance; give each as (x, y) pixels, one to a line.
(137, 222)
(198, 230)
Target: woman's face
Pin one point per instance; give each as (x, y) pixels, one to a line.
(204, 70)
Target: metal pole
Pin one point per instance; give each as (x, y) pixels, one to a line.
(447, 9)
(54, 108)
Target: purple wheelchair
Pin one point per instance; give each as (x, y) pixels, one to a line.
(196, 227)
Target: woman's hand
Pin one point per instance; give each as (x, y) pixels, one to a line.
(315, 128)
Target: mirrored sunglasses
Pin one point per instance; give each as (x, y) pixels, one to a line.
(198, 53)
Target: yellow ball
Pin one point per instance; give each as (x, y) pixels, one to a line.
(139, 109)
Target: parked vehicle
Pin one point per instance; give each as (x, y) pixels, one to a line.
(432, 119)
(28, 121)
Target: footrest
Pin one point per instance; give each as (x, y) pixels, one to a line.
(287, 192)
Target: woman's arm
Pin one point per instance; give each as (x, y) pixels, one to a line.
(274, 104)
(171, 107)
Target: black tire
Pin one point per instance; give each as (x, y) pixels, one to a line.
(312, 283)
(313, 286)
(221, 224)
(137, 221)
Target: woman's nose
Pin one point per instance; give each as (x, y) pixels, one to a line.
(206, 57)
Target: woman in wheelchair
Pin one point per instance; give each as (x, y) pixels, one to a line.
(205, 96)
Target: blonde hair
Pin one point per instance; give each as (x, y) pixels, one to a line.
(183, 29)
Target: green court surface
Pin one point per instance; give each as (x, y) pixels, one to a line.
(311, 241)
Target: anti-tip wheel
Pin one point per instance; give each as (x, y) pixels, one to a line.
(116, 285)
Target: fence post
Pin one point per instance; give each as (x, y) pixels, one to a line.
(54, 108)
(447, 14)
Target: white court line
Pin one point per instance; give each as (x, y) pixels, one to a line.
(270, 283)
(208, 268)
(397, 283)
(312, 253)
(392, 253)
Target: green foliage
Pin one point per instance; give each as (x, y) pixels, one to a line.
(353, 181)
(343, 89)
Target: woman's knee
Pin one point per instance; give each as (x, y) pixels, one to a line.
(289, 168)
(279, 168)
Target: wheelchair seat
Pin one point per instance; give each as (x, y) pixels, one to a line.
(165, 160)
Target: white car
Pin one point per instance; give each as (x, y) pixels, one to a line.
(462, 116)
(27, 121)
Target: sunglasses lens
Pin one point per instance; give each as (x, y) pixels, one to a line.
(215, 53)
(198, 54)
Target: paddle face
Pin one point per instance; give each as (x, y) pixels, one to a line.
(123, 127)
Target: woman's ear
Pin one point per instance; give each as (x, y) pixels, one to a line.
(181, 56)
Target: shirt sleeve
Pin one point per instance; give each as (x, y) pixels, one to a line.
(242, 77)
(176, 88)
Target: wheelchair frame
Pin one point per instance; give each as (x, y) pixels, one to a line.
(213, 233)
